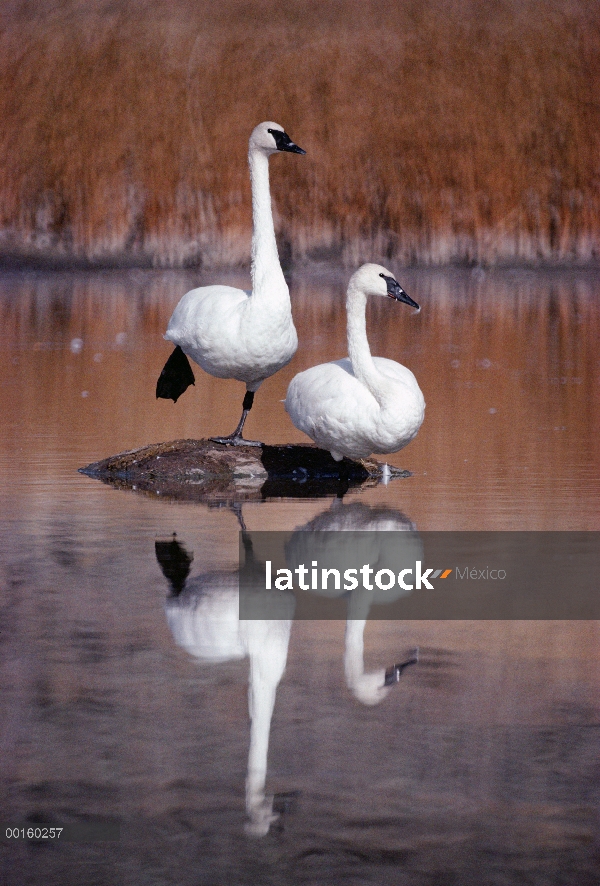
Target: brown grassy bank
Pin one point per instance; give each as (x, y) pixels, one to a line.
(436, 130)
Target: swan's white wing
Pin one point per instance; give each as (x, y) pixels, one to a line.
(230, 335)
(208, 324)
(207, 625)
(332, 407)
(339, 413)
(205, 313)
(269, 336)
(395, 371)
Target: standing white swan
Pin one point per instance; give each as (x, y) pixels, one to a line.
(361, 404)
(228, 332)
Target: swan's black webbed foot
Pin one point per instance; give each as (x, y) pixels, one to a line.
(393, 674)
(236, 438)
(285, 802)
(175, 377)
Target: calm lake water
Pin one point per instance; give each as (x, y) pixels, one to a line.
(481, 766)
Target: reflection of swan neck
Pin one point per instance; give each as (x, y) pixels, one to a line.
(267, 648)
(358, 344)
(354, 651)
(266, 270)
(367, 688)
(261, 700)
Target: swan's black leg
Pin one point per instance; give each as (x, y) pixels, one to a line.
(236, 438)
(237, 510)
(175, 377)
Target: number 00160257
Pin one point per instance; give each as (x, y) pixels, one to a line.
(30, 833)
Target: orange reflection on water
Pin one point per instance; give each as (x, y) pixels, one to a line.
(507, 362)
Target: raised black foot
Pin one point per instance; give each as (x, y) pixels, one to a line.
(235, 440)
(393, 674)
(175, 377)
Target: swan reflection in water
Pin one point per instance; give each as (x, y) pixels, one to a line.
(203, 615)
(360, 544)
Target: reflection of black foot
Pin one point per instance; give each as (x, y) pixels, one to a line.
(285, 803)
(175, 563)
(235, 440)
(393, 674)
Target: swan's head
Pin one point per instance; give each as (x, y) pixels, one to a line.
(376, 280)
(370, 689)
(270, 137)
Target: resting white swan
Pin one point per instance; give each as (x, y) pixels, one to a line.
(361, 404)
(228, 332)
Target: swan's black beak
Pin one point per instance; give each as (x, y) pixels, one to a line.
(284, 142)
(294, 149)
(394, 290)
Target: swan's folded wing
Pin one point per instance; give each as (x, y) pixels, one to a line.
(395, 371)
(327, 402)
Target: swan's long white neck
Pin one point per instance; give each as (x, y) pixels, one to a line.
(358, 347)
(267, 276)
